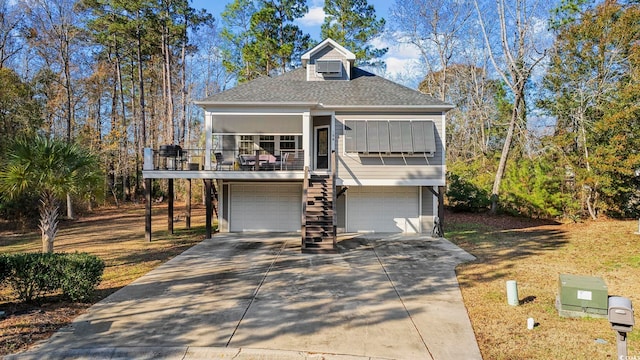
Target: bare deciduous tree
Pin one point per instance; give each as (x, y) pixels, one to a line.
(514, 58)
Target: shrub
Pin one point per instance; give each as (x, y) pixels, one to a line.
(534, 188)
(465, 196)
(4, 267)
(32, 275)
(81, 273)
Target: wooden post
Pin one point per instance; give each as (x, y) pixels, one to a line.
(441, 191)
(147, 211)
(209, 211)
(188, 217)
(170, 209)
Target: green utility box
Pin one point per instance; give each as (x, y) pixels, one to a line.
(581, 296)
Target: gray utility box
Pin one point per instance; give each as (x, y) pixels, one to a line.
(581, 296)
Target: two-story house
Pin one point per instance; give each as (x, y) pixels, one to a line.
(327, 147)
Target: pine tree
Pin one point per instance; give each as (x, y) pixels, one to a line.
(263, 40)
(353, 24)
(592, 89)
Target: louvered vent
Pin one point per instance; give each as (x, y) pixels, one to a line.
(329, 67)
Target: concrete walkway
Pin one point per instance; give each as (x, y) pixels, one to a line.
(255, 296)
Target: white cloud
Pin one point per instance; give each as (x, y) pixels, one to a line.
(405, 71)
(397, 46)
(314, 17)
(403, 60)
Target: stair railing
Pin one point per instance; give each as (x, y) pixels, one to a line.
(334, 166)
(305, 188)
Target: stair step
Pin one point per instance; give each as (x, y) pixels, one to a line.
(325, 247)
(319, 219)
(319, 212)
(318, 192)
(318, 232)
(311, 205)
(314, 208)
(319, 241)
(320, 184)
(317, 229)
(324, 240)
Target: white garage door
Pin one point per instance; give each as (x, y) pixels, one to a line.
(383, 209)
(265, 207)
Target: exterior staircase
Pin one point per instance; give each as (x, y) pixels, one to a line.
(319, 227)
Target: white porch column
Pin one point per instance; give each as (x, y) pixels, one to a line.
(307, 138)
(208, 139)
(148, 159)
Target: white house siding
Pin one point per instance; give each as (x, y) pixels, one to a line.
(327, 53)
(390, 169)
(383, 209)
(265, 206)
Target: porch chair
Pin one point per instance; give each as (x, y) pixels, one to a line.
(247, 162)
(285, 161)
(220, 162)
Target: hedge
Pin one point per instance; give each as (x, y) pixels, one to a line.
(33, 275)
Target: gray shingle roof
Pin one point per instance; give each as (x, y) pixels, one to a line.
(364, 89)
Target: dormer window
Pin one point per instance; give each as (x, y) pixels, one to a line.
(331, 68)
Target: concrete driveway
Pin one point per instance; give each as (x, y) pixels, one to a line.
(255, 296)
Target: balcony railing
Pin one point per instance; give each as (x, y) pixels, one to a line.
(174, 158)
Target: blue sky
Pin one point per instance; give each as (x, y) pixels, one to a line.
(402, 61)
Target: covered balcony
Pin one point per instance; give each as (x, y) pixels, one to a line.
(234, 156)
(179, 159)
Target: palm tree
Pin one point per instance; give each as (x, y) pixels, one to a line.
(49, 168)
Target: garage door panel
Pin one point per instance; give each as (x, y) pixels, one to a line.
(265, 207)
(383, 209)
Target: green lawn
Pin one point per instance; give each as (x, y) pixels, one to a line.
(534, 253)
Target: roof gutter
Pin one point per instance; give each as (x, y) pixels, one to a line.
(317, 105)
(204, 103)
(443, 107)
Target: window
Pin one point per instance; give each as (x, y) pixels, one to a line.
(267, 144)
(394, 137)
(246, 145)
(287, 142)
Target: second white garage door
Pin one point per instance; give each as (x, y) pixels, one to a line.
(265, 207)
(383, 209)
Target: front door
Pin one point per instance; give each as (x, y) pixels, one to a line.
(322, 148)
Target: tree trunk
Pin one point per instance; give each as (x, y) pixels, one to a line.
(70, 214)
(123, 156)
(495, 192)
(48, 221)
(167, 79)
(183, 85)
(143, 125)
(67, 81)
(142, 140)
